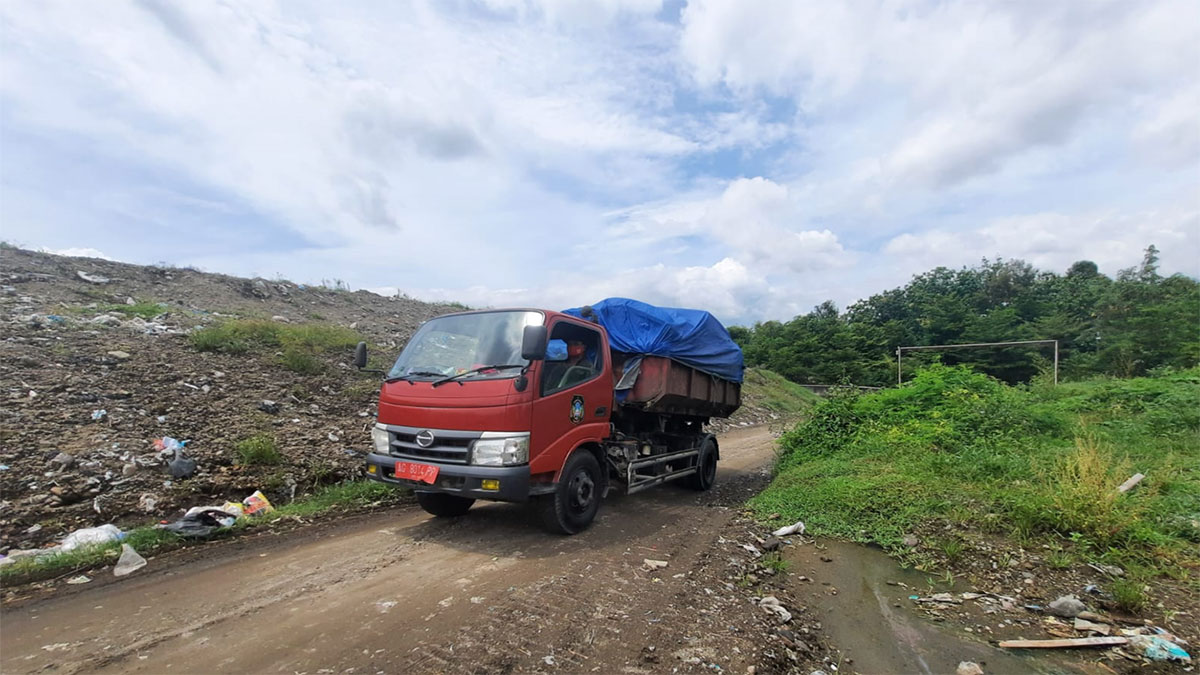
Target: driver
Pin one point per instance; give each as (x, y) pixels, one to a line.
(577, 355)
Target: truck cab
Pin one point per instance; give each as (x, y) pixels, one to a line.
(518, 405)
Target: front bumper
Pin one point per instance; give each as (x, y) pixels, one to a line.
(458, 479)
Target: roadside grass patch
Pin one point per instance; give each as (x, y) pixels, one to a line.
(149, 541)
(300, 345)
(258, 450)
(954, 449)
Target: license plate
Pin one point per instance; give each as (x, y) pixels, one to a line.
(422, 473)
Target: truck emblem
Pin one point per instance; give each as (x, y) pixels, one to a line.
(425, 438)
(576, 409)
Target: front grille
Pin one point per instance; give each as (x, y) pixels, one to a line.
(452, 447)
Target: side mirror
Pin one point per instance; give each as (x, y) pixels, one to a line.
(360, 356)
(533, 343)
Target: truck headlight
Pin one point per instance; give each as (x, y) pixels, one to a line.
(379, 436)
(502, 451)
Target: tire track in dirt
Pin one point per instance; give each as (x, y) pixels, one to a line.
(401, 591)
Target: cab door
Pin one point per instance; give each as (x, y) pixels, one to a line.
(568, 411)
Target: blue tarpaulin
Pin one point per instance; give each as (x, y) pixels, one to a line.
(690, 336)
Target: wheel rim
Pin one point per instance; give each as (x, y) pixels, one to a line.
(582, 491)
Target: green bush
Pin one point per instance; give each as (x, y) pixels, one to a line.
(954, 447)
(259, 449)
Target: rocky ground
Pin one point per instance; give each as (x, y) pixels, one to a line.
(90, 379)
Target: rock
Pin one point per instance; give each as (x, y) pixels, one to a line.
(119, 355)
(911, 541)
(281, 319)
(771, 544)
(63, 459)
(1067, 606)
(91, 278)
(968, 668)
(826, 558)
(268, 406)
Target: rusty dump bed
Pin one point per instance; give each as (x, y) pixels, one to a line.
(667, 386)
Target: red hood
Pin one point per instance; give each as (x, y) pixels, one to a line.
(475, 405)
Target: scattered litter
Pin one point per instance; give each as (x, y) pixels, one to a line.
(147, 502)
(548, 660)
(3, 467)
(1088, 626)
(90, 536)
(772, 606)
(654, 564)
(795, 528)
(1133, 480)
(1110, 570)
(236, 508)
(753, 551)
(167, 445)
(81, 579)
(268, 406)
(33, 528)
(332, 436)
(119, 355)
(1158, 648)
(129, 561)
(940, 598)
(971, 596)
(1067, 606)
(1034, 608)
(968, 668)
(99, 414)
(385, 605)
(477, 600)
(914, 597)
(257, 503)
(92, 278)
(181, 466)
(1065, 643)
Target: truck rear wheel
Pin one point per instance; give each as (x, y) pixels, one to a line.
(576, 498)
(706, 466)
(443, 505)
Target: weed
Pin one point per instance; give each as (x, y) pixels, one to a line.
(1084, 491)
(1130, 594)
(258, 450)
(1059, 559)
(143, 309)
(953, 549)
(300, 361)
(315, 316)
(774, 561)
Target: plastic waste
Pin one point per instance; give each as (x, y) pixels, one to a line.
(91, 536)
(81, 579)
(1158, 648)
(201, 521)
(235, 508)
(796, 528)
(257, 503)
(129, 561)
(181, 466)
(167, 445)
(99, 414)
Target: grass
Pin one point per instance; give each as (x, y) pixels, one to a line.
(776, 393)
(956, 449)
(301, 345)
(142, 308)
(149, 540)
(774, 561)
(259, 450)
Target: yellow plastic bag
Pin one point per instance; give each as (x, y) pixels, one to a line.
(257, 503)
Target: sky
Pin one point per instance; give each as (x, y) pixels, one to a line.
(749, 157)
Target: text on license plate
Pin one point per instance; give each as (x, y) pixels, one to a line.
(423, 473)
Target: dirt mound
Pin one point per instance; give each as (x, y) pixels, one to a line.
(96, 363)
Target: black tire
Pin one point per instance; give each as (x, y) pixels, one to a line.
(706, 466)
(443, 505)
(576, 498)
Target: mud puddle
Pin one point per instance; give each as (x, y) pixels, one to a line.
(872, 621)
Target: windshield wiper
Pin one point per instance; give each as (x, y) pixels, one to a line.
(480, 369)
(414, 373)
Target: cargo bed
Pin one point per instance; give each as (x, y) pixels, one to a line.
(667, 386)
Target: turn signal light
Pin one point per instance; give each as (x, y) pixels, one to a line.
(372, 469)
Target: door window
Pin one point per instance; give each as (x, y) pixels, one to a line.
(583, 361)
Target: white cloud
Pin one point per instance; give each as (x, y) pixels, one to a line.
(79, 253)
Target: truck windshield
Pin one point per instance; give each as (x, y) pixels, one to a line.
(461, 343)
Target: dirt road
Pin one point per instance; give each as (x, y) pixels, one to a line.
(402, 592)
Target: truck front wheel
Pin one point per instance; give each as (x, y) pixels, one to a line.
(706, 466)
(576, 498)
(443, 505)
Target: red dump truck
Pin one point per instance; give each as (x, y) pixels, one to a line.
(529, 405)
